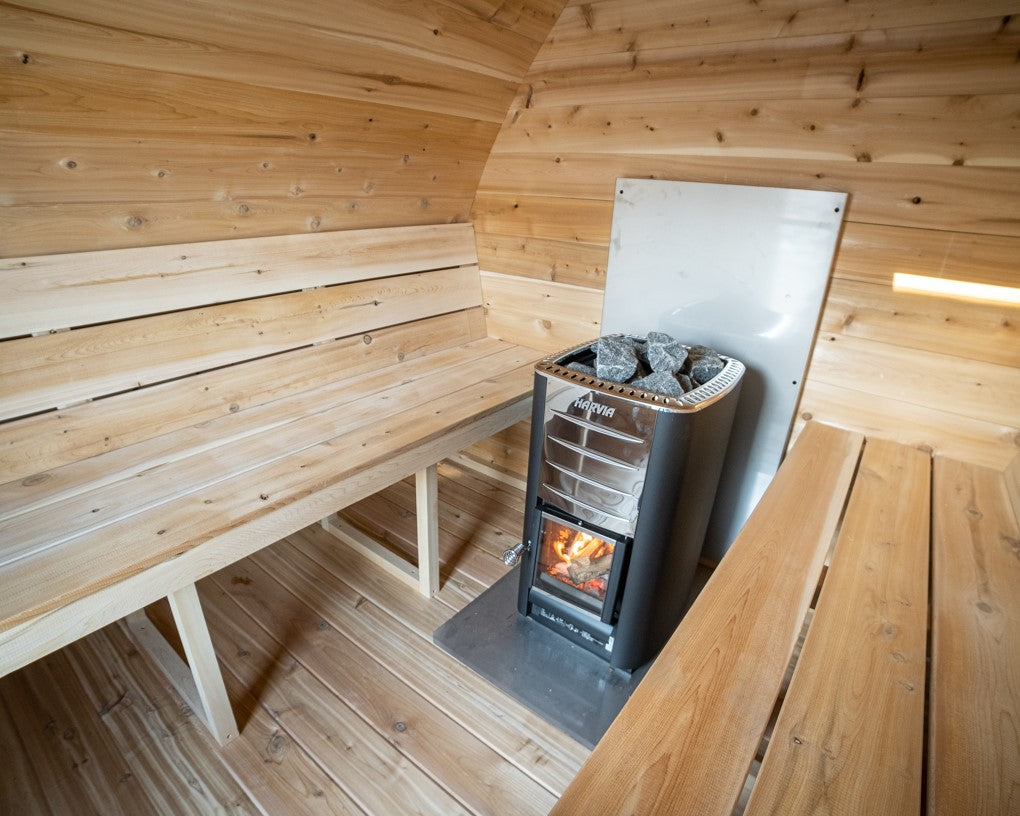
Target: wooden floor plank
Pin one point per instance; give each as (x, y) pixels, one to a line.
(849, 735)
(975, 683)
(371, 767)
(89, 714)
(472, 772)
(547, 754)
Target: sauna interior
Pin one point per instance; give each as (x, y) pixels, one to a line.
(159, 123)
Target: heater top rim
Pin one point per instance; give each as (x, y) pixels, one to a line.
(695, 400)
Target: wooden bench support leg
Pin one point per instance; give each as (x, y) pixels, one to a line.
(199, 680)
(426, 485)
(425, 576)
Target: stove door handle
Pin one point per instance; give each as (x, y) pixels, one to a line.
(512, 556)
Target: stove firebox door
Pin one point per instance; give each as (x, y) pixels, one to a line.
(579, 565)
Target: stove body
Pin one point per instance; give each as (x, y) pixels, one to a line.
(620, 487)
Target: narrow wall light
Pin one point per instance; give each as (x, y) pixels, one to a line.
(926, 285)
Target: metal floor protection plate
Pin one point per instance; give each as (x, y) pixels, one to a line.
(567, 686)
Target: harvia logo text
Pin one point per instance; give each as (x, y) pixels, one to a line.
(587, 405)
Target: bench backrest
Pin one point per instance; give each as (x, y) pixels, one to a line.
(90, 342)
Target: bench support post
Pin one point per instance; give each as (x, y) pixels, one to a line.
(426, 487)
(425, 576)
(198, 681)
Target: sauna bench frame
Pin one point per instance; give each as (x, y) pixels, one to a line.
(900, 575)
(170, 410)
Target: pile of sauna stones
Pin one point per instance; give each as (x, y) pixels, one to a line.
(658, 363)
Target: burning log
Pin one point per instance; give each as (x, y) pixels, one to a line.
(585, 568)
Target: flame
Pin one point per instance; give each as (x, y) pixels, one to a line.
(570, 544)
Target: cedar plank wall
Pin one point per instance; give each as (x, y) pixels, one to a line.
(164, 121)
(911, 106)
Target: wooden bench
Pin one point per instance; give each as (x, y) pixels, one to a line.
(168, 410)
(850, 734)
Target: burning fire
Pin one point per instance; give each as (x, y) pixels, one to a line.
(581, 559)
(570, 544)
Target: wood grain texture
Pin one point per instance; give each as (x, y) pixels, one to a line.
(44, 293)
(434, 742)
(59, 369)
(681, 737)
(933, 427)
(977, 130)
(36, 445)
(975, 684)
(246, 118)
(849, 735)
(958, 199)
(301, 491)
(551, 316)
(974, 56)
(618, 27)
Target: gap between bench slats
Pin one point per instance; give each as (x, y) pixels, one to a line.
(974, 719)
(44, 293)
(849, 735)
(685, 740)
(39, 373)
(303, 479)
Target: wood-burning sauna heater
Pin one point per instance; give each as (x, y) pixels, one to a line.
(621, 483)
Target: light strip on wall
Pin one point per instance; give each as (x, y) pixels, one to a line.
(925, 285)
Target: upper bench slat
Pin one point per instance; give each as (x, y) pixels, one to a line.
(683, 736)
(974, 706)
(38, 373)
(849, 735)
(44, 293)
(33, 446)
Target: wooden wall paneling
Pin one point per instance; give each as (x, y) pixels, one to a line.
(52, 170)
(562, 219)
(619, 26)
(254, 49)
(986, 332)
(873, 253)
(561, 261)
(957, 385)
(245, 118)
(964, 199)
(909, 108)
(971, 57)
(976, 130)
(551, 316)
(86, 98)
(105, 225)
(929, 427)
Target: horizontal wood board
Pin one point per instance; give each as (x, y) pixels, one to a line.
(45, 293)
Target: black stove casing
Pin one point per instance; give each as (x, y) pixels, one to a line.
(656, 508)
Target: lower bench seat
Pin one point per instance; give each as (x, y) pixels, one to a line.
(133, 494)
(851, 734)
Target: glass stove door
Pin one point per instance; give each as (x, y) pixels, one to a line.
(574, 563)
